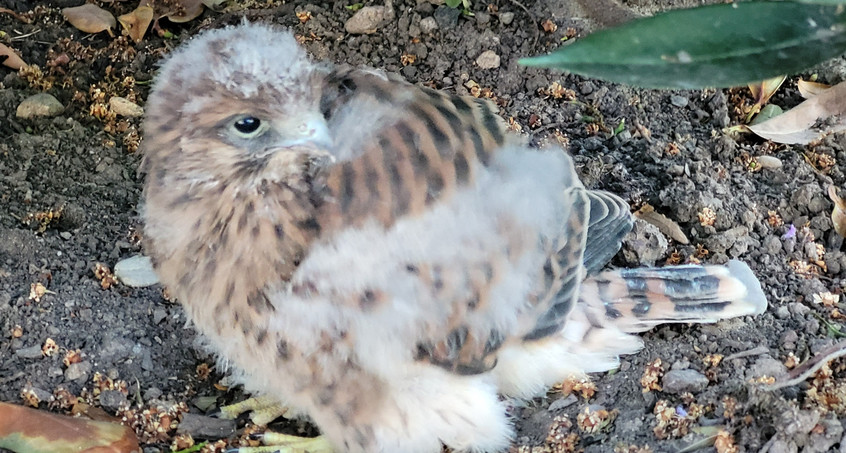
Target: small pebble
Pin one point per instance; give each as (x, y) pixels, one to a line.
(366, 20)
(78, 371)
(447, 17)
(32, 352)
(136, 272)
(506, 18)
(681, 381)
(125, 107)
(679, 101)
(428, 25)
(113, 400)
(203, 427)
(488, 60)
(769, 162)
(41, 104)
(561, 403)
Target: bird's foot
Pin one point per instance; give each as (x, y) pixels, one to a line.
(286, 443)
(264, 410)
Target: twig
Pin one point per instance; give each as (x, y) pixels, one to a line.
(805, 370)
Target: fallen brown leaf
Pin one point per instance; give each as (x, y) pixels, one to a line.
(665, 224)
(798, 125)
(810, 89)
(137, 21)
(10, 58)
(90, 18)
(762, 91)
(184, 11)
(838, 214)
(34, 431)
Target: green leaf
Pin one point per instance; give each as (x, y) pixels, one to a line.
(452, 3)
(710, 46)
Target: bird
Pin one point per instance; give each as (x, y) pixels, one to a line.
(387, 259)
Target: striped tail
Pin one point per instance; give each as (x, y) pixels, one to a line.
(636, 300)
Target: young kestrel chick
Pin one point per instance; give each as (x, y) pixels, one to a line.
(381, 256)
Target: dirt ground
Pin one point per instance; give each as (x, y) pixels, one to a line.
(69, 194)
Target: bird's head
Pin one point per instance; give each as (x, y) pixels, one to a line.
(238, 105)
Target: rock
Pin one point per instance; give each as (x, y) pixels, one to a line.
(488, 60)
(822, 442)
(202, 427)
(681, 381)
(644, 245)
(159, 314)
(32, 352)
(506, 18)
(152, 393)
(447, 17)
(136, 272)
(113, 400)
(561, 403)
(41, 104)
(766, 366)
(78, 371)
(679, 101)
(428, 25)
(368, 19)
(482, 18)
(125, 107)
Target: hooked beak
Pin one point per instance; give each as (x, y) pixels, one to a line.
(311, 132)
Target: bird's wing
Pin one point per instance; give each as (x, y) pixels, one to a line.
(402, 150)
(610, 220)
(399, 147)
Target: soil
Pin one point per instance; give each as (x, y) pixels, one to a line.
(69, 194)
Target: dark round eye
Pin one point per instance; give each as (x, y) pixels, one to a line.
(247, 125)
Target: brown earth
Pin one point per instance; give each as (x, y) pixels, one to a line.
(671, 154)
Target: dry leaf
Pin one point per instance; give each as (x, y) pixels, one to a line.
(810, 89)
(184, 11)
(90, 18)
(30, 430)
(10, 58)
(664, 224)
(838, 215)
(796, 126)
(136, 22)
(764, 90)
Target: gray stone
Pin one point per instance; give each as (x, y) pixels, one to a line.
(366, 20)
(78, 371)
(644, 245)
(113, 400)
(136, 272)
(41, 104)
(488, 60)
(506, 18)
(32, 352)
(766, 366)
(681, 381)
(202, 427)
(447, 17)
(822, 442)
(428, 25)
(152, 393)
(679, 101)
(561, 403)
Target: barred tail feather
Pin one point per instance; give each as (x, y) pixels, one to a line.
(636, 300)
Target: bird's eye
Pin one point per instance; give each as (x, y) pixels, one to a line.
(248, 126)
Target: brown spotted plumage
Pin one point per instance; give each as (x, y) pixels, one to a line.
(385, 258)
